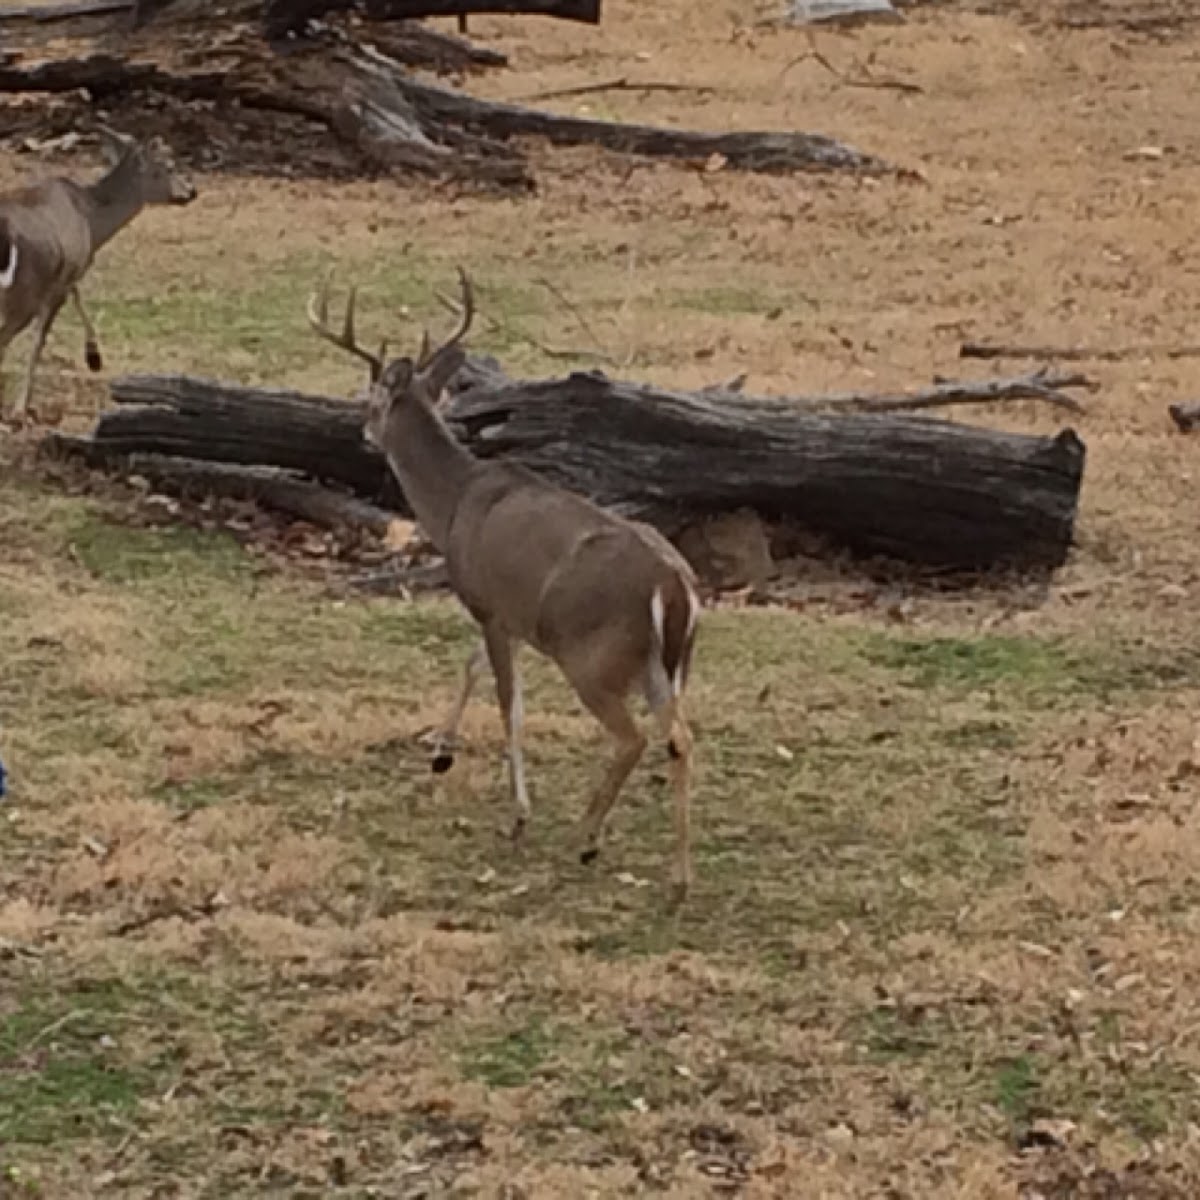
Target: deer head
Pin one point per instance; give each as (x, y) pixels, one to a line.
(151, 165)
(402, 381)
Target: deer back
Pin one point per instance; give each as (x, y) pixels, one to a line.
(550, 565)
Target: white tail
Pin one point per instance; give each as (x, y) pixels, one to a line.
(9, 273)
(609, 600)
(50, 232)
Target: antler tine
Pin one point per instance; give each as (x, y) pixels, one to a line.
(318, 318)
(348, 324)
(467, 309)
(318, 307)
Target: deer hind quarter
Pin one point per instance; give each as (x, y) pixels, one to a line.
(10, 256)
(674, 611)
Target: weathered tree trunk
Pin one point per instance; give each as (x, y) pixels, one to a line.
(396, 121)
(43, 14)
(749, 150)
(271, 487)
(283, 16)
(911, 488)
(286, 16)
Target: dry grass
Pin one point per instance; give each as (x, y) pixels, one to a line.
(944, 937)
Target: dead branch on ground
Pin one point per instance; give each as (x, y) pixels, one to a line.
(1046, 386)
(989, 350)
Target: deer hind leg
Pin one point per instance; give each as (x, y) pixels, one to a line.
(665, 700)
(5, 338)
(446, 741)
(91, 345)
(512, 709)
(611, 710)
(41, 330)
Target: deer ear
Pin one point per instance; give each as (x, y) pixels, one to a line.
(436, 377)
(115, 146)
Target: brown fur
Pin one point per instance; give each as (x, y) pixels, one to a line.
(57, 227)
(534, 563)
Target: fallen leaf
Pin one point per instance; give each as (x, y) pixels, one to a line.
(399, 534)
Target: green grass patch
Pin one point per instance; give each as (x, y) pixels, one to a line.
(510, 1059)
(124, 555)
(724, 300)
(63, 1073)
(1015, 1089)
(1039, 669)
(890, 1034)
(261, 326)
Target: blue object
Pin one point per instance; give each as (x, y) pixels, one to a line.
(3, 781)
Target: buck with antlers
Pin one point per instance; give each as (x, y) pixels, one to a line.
(609, 600)
(50, 232)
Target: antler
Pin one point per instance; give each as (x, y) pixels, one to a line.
(429, 359)
(318, 318)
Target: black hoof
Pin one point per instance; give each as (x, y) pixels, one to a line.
(94, 361)
(441, 763)
(589, 856)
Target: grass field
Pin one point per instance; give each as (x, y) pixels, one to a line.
(943, 941)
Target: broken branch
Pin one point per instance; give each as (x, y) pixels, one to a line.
(618, 85)
(987, 350)
(1042, 385)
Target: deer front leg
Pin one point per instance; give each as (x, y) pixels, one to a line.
(91, 345)
(446, 741)
(512, 709)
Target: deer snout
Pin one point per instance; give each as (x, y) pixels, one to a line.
(182, 192)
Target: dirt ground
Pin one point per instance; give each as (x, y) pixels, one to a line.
(944, 938)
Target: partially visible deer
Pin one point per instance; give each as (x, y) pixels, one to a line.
(609, 600)
(51, 231)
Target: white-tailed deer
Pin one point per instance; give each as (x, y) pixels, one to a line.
(609, 600)
(51, 231)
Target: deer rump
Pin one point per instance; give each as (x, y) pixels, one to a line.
(44, 248)
(558, 572)
(8, 255)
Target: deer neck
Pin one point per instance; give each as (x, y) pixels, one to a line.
(113, 201)
(431, 465)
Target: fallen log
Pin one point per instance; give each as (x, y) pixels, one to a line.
(911, 488)
(356, 98)
(44, 14)
(769, 152)
(397, 122)
(271, 487)
(286, 16)
(281, 17)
